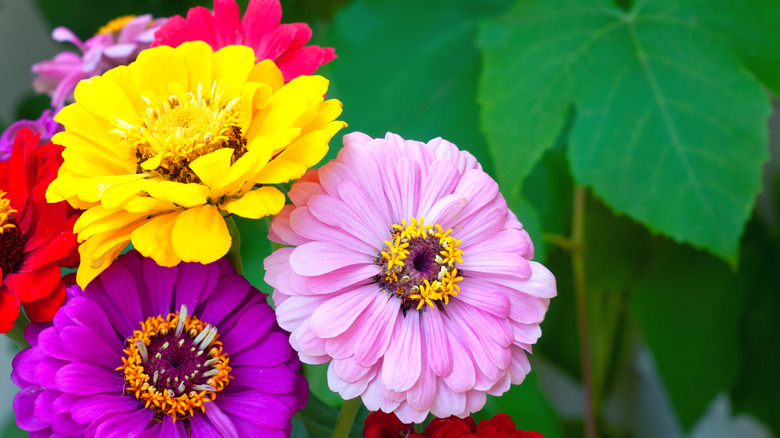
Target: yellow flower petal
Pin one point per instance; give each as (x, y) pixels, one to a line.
(99, 251)
(200, 235)
(198, 57)
(280, 171)
(152, 163)
(105, 99)
(258, 203)
(211, 166)
(153, 239)
(98, 220)
(267, 72)
(232, 64)
(185, 195)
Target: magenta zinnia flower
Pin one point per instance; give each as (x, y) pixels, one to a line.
(148, 351)
(259, 29)
(117, 43)
(410, 273)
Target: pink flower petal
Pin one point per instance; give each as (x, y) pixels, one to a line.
(227, 22)
(437, 343)
(378, 332)
(484, 296)
(336, 315)
(402, 365)
(317, 258)
(260, 18)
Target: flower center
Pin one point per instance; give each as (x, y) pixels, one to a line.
(115, 25)
(181, 128)
(11, 238)
(174, 365)
(418, 264)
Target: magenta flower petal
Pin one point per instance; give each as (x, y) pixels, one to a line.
(410, 274)
(95, 372)
(285, 44)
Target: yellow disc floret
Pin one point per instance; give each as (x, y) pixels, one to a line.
(184, 126)
(6, 220)
(418, 264)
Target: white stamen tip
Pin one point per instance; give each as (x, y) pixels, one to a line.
(142, 350)
(208, 339)
(182, 317)
(156, 376)
(211, 373)
(204, 388)
(181, 387)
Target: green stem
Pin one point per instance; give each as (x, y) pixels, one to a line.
(17, 333)
(580, 287)
(347, 416)
(234, 253)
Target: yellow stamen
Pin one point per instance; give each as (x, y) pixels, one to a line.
(394, 260)
(6, 220)
(115, 25)
(182, 127)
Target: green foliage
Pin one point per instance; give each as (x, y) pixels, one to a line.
(418, 79)
(689, 311)
(668, 127)
(527, 406)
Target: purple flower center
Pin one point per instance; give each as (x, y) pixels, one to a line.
(175, 364)
(418, 265)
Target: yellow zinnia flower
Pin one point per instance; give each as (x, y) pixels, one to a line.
(159, 152)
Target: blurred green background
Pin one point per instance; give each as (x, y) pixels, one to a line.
(649, 124)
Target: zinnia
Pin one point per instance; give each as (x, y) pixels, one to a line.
(116, 43)
(36, 238)
(381, 425)
(45, 126)
(149, 351)
(411, 274)
(259, 29)
(160, 151)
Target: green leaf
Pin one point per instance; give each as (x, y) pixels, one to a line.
(668, 129)
(689, 309)
(255, 247)
(758, 386)
(418, 79)
(748, 26)
(319, 419)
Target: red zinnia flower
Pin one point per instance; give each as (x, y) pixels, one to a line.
(36, 238)
(259, 29)
(381, 425)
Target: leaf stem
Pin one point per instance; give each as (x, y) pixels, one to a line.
(234, 253)
(17, 332)
(580, 287)
(347, 416)
(562, 242)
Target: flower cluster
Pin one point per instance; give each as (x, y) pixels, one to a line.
(399, 263)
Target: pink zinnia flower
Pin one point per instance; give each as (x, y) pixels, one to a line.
(411, 275)
(258, 29)
(117, 43)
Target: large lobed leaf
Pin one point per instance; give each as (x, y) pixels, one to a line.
(669, 127)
